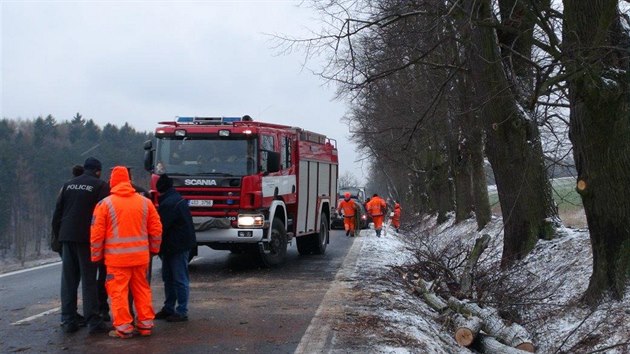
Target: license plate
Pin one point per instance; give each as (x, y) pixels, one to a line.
(200, 203)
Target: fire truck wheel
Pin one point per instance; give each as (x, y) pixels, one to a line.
(320, 240)
(314, 243)
(277, 246)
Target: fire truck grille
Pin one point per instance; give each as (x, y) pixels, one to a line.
(217, 202)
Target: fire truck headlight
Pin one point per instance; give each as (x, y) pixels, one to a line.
(224, 132)
(256, 221)
(180, 132)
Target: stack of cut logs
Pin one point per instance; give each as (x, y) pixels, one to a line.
(471, 320)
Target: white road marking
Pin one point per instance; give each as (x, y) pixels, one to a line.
(319, 334)
(29, 269)
(34, 317)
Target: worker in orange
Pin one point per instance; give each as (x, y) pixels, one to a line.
(396, 217)
(348, 208)
(377, 207)
(126, 231)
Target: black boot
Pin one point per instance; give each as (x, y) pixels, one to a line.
(348, 233)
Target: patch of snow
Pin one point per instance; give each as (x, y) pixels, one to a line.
(557, 272)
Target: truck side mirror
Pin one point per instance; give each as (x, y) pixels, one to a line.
(148, 155)
(273, 161)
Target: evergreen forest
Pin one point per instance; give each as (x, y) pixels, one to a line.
(36, 158)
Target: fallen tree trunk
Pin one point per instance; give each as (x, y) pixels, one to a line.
(513, 335)
(488, 345)
(430, 297)
(480, 245)
(466, 329)
(477, 318)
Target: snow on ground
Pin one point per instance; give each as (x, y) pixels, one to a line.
(380, 313)
(383, 315)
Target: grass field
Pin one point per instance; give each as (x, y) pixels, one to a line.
(569, 202)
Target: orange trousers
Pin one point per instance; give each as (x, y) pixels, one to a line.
(396, 222)
(378, 222)
(118, 283)
(348, 223)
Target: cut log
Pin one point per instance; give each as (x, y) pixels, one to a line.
(489, 345)
(480, 245)
(466, 329)
(519, 338)
(432, 299)
(514, 335)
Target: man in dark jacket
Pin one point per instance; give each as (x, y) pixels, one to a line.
(178, 238)
(71, 225)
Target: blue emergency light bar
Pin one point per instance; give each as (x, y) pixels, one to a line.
(231, 119)
(184, 120)
(208, 120)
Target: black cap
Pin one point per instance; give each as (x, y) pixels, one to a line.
(92, 163)
(164, 183)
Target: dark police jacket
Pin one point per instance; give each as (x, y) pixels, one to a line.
(75, 204)
(178, 232)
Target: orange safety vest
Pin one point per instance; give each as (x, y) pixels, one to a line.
(348, 207)
(376, 206)
(126, 226)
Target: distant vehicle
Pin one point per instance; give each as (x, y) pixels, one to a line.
(337, 219)
(355, 192)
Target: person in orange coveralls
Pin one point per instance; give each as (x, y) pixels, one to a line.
(377, 208)
(126, 231)
(349, 209)
(396, 218)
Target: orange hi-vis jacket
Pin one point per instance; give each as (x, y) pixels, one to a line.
(348, 208)
(376, 206)
(126, 226)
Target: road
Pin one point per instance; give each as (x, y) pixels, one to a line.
(235, 307)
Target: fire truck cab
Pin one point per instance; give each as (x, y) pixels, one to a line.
(251, 186)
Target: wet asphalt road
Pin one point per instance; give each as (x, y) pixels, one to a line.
(235, 307)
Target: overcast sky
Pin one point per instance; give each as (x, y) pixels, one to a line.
(147, 61)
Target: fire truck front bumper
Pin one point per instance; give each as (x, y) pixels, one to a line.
(223, 234)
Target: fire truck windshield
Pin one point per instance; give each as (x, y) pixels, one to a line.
(190, 156)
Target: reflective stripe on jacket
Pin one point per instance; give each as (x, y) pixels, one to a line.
(125, 229)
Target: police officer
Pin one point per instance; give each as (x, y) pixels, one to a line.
(71, 224)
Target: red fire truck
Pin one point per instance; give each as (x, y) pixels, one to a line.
(251, 186)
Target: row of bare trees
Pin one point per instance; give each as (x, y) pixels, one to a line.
(439, 86)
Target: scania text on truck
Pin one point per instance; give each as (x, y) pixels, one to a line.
(251, 186)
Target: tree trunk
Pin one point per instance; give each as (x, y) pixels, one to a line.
(483, 213)
(438, 185)
(596, 48)
(461, 169)
(518, 168)
(467, 274)
(433, 300)
(466, 329)
(474, 138)
(513, 335)
(516, 39)
(489, 345)
(471, 138)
